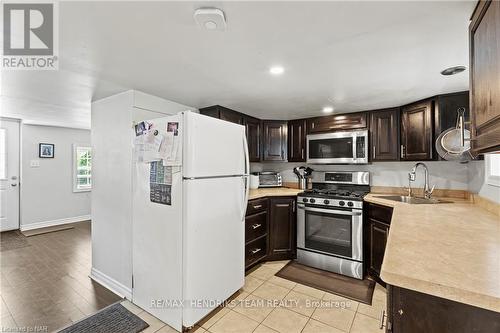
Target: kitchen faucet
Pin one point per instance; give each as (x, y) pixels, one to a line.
(412, 176)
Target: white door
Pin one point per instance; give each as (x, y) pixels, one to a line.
(9, 174)
(213, 147)
(213, 243)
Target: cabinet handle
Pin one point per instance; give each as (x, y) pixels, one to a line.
(256, 251)
(400, 311)
(257, 206)
(381, 320)
(256, 225)
(402, 151)
(374, 151)
(302, 152)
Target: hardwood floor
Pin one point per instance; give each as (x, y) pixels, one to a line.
(44, 280)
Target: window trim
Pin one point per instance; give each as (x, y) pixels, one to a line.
(75, 168)
(491, 179)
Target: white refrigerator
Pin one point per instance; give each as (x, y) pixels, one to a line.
(188, 247)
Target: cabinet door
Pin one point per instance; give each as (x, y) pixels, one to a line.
(275, 140)
(485, 76)
(223, 113)
(348, 121)
(378, 240)
(384, 128)
(253, 130)
(231, 116)
(297, 140)
(282, 238)
(417, 131)
(415, 312)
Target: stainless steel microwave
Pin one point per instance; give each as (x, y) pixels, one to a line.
(349, 147)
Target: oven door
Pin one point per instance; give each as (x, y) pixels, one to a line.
(332, 232)
(339, 147)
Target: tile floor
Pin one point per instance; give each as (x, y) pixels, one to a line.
(300, 309)
(45, 284)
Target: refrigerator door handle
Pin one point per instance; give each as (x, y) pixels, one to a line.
(245, 178)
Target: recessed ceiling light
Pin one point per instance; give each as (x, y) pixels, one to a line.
(276, 70)
(327, 109)
(453, 70)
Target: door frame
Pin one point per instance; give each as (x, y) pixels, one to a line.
(20, 123)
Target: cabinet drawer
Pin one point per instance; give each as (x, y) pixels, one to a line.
(380, 213)
(255, 226)
(255, 251)
(257, 205)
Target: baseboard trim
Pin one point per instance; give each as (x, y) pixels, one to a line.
(45, 224)
(110, 283)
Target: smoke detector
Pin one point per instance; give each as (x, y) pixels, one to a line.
(210, 18)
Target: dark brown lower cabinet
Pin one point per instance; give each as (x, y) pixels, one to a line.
(409, 311)
(282, 228)
(270, 230)
(377, 224)
(256, 232)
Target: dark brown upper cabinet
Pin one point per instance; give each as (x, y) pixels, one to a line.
(484, 38)
(223, 113)
(282, 229)
(254, 135)
(417, 131)
(384, 131)
(275, 140)
(297, 140)
(348, 121)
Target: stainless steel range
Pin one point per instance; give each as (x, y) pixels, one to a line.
(330, 222)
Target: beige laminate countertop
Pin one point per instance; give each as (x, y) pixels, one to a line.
(273, 192)
(449, 250)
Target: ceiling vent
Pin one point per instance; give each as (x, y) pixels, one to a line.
(210, 18)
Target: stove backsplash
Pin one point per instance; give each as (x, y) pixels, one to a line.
(443, 174)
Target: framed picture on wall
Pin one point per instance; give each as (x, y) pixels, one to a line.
(46, 150)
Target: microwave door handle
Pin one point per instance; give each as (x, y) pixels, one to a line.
(354, 146)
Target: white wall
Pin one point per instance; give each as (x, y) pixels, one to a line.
(477, 182)
(443, 174)
(47, 191)
(112, 144)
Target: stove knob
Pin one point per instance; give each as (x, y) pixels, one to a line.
(305, 200)
(312, 201)
(350, 204)
(326, 202)
(341, 203)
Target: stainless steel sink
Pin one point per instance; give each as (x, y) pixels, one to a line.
(410, 200)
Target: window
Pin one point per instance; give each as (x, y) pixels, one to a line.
(492, 169)
(82, 168)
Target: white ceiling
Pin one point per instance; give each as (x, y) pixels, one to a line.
(352, 55)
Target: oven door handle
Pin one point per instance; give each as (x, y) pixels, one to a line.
(331, 211)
